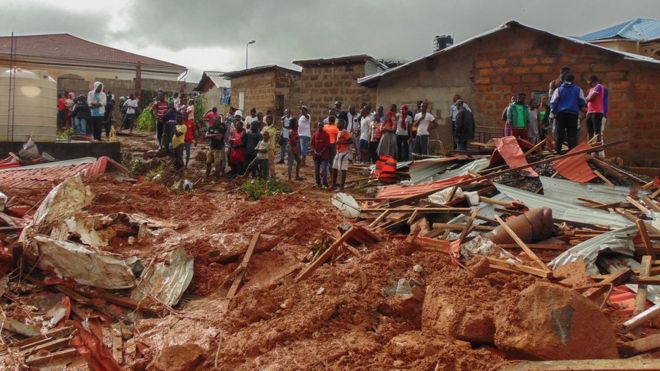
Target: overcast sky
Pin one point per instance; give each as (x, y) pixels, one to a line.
(211, 34)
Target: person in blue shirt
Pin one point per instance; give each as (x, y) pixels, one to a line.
(566, 104)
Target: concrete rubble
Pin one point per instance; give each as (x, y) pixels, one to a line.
(465, 263)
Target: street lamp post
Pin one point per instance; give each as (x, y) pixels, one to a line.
(246, 52)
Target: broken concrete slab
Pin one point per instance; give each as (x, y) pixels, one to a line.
(82, 264)
(551, 322)
(166, 280)
(346, 205)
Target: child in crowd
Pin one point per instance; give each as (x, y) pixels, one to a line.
(341, 162)
(321, 149)
(262, 155)
(294, 148)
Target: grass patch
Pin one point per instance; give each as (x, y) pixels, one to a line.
(258, 188)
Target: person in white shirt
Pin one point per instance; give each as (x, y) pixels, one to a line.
(305, 132)
(366, 118)
(424, 122)
(130, 105)
(353, 127)
(252, 117)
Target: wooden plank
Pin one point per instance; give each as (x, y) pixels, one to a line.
(412, 218)
(521, 268)
(244, 264)
(63, 355)
(641, 318)
(644, 234)
(586, 364)
(49, 346)
(380, 218)
(522, 245)
(598, 203)
(117, 346)
(638, 205)
(640, 298)
(536, 146)
(536, 246)
(63, 331)
(638, 346)
(653, 280)
(603, 178)
(424, 210)
(650, 203)
(468, 224)
(615, 278)
(324, 256)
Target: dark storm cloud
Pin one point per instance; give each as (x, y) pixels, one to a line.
(299, 29)
(24, 18)
(288, 30)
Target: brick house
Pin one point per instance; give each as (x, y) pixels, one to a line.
(488, 68)
(324, 81)
(640, 36)
(264, 88)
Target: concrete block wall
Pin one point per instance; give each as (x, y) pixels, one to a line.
(320, 86)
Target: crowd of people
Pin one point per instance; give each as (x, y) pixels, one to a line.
(557, 119)
(248, 145)
(87, 114)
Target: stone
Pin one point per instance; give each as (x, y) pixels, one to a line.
(178, 358)
(550, 322)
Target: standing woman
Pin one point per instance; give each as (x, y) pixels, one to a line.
(403, 122)
(388, 140)
(294, 148)
(238, 151)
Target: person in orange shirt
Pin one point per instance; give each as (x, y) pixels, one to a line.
(331, 129)
(340, 163)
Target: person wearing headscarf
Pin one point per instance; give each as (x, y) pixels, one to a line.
(388, 145)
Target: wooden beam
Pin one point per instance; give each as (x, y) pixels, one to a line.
(380, 218)
(244, 264)
(421, 210)
(603, 178)
(638, 205)
(586, 364)
(468, 224)
(325, 255)
(53, 358)
(640, 298)
(536, 146)
(615, 278)
(650, 203)
(644, 234)
(520, 268)
(641, 318)
(522, 245)
(646, 344)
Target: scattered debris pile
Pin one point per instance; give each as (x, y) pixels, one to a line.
(509, 261)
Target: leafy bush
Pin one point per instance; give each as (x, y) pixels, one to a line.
(137, 167)
(258, 188)
(64, 134)
(147, 120)
(158, 174)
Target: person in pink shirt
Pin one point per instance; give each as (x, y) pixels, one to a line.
(595, 107)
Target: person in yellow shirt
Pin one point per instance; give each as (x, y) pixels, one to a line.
(178, 139)
(272, 144)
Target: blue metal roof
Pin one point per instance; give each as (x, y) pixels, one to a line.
(638, 29)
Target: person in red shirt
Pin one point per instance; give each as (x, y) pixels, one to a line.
(344, 140)
(210, 117)
(60, 111)
(238, 154)
(160, 108)
(294, 148)
(321, 151)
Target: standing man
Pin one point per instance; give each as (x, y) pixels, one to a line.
(353, 127)
(272, 144)
(517, 117)
(131, 105)
(566, 103)
(321, 151)
(284, 139)
(424, 122)
(160, 109)
(252, 117)
(341, 163)
(454, 111)
(96, 100)
(365, 132)
(595, 108)
(305, 133)
(464, 126)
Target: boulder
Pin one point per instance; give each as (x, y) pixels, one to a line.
(551, 322)
(178, 358)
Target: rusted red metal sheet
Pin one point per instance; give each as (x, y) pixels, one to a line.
(401, 191)
(509, 149)
(575, 168)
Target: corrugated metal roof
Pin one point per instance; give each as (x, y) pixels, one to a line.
(565, 210)
(401, 191)
(615, 263)
(575, 167)
(568, 191)
(423, 170)
(474, 167)
(48, 174)
(638, 29)
(508, 25)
